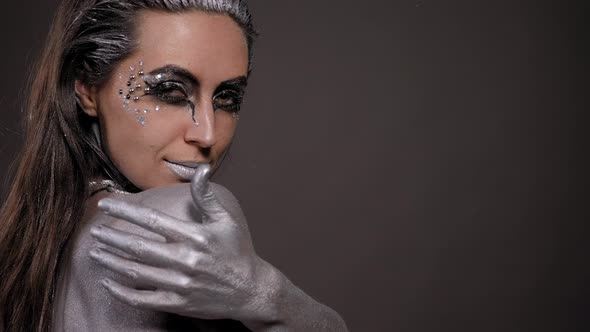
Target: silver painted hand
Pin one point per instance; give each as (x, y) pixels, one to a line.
(205, 269)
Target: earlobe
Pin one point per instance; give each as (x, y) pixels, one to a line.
(86, 98)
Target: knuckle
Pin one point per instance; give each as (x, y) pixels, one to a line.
(193, 261)
(202, 239)
(133, 271)
(137, 246)
(185, 283)
(151, 217)
(209, 196)
(133, 301)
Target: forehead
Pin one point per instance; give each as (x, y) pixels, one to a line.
(211, 46)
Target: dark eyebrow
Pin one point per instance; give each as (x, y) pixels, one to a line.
(241, 81)
(238, 83)
(176, 71)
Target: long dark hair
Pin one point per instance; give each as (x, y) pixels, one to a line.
(46, 197)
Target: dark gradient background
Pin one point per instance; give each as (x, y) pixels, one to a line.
(416, 165)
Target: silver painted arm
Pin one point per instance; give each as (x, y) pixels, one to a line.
(206, 267)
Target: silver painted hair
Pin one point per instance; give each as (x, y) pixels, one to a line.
(103, 30)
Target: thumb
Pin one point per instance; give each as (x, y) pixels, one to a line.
(203, 196)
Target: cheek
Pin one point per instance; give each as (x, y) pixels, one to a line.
(131, 147)
(225, 128)
(131, 115)
(134, 134)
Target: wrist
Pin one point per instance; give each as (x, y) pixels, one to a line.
(281, 306)
(266, 308)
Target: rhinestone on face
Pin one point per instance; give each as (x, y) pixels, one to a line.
(147, 89)
(132, 77)
(146, 111)
(131, 68)
(132, 90)
(121, 91)
(158, 108)
(141, 63)
(128, 97)
(138, 86)
(129, 83)
(136, 98)
(141, 73)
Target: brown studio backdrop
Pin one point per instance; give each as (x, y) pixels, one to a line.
(416, 165)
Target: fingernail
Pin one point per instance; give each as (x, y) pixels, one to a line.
(101, 204)
(95, 230)
(95, 253)
(104, 205)
(204, 170)
(208, 171)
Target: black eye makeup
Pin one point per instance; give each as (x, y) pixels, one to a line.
(175, 86)
(229, 95)
(170, 84)
(170, 92)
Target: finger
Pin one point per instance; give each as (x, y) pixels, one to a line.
(141, 273)
(152, 300)
(149, 251)
(204, 198)
(148, 218)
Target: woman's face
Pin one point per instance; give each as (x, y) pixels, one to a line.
(175, 100)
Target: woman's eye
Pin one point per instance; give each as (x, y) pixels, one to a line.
(228, 100)
(170, 92)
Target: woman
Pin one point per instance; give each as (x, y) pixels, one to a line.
(111, 223)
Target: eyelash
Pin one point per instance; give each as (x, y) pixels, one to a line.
(235, 97)
(164, 92)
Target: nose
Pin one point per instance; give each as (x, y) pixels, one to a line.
(201, 130)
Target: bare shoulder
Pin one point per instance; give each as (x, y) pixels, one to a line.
(225, 196)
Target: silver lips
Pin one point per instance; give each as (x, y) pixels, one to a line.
(184, 170)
